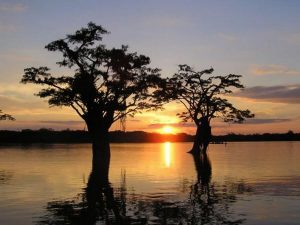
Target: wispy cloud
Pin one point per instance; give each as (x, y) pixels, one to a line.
(276, 94)
(176, 125)
(17, 91)
(273, 69)
(62, 121)
(12, 7)
(66, 123)
(20, 124)
(265, 121)
(220, 123)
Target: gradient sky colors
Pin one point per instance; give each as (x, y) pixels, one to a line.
(258, 39)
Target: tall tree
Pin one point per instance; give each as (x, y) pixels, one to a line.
(4, 116)
(204, 99)
(106, 86)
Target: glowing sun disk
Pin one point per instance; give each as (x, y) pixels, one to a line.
(167, 130)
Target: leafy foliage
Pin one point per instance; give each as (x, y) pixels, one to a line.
(109, 84)
(4, 116)
(205, 96)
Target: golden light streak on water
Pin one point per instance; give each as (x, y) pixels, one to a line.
(168, 154)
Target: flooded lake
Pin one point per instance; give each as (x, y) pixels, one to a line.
(237, 183)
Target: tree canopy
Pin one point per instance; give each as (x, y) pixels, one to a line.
(107, 84)
(204, 96)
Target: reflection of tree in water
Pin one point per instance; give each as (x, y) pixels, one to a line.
(206, 203)
(5, 176)
(210, 203)
(96, 203)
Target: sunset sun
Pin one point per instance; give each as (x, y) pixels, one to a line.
(167, 130)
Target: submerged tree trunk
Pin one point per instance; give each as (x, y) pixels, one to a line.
(101, 153)
(197, 142)
(99, 134)
(206, 138)
(202, 137)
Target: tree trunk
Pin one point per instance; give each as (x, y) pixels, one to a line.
(101, 153)
(202, 137)
(206, 138)
(99, 134)
(98, 130)
(197, 142)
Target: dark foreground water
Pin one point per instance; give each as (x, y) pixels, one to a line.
(240, 183)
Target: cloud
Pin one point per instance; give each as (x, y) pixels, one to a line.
(32, 124)
(18, 93)
(176, 125)
(264, 121)
(276, 94)
(12, 7)
(62, 122)
(133, 120)
(273, 69)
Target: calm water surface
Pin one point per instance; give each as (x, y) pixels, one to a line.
(240, 183)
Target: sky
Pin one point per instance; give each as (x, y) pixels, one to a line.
(257, 39)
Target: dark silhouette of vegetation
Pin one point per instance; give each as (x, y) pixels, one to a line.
(107, 85)
(79, 136)
(205, 203)
(204, 99)
(4, 116)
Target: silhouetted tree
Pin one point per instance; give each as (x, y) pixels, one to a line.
(107, 84)
(4, 116)
(203, 99)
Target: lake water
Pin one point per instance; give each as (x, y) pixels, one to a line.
(238, 183)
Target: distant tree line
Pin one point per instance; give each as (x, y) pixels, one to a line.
(80, 136)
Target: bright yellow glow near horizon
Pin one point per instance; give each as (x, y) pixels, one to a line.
(168, 154)
(167, 130)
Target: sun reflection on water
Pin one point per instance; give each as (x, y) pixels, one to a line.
(168, 154)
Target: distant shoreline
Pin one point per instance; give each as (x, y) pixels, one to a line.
(80, 136)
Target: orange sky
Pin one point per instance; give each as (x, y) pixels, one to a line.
(37, 115)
